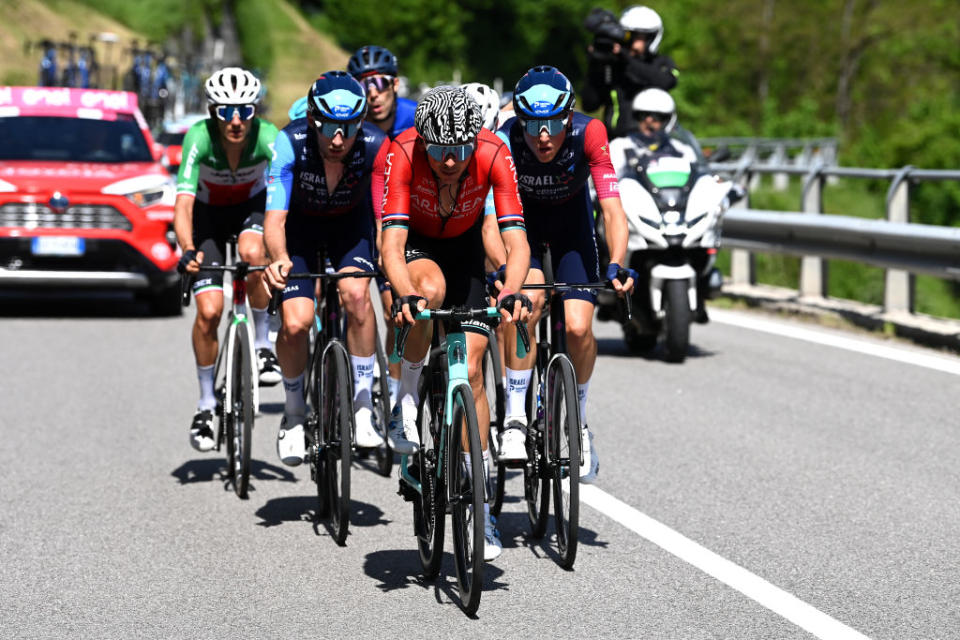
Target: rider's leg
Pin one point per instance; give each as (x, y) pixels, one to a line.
(429, 282)
(476, 348)
(251, 250)
(393, 368)
(581, 345)
(361, 343)
(519, 370)
(209, 309)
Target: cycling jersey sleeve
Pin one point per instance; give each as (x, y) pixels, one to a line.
(377, 179)
(396, 189)
(489, 207)
(266, 138)
(196, 145)
(597, 150)
(280, 181)
(506, 197)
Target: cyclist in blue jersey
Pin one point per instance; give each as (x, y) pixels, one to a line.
(326, 176)
(556, 151)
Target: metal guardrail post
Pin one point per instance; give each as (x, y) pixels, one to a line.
(780, 180)
(813, 270)
(899, 290)
(742, 263)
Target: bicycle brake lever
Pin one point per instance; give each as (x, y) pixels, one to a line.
(523, 340)
(185, 290)
(625, 303)
(275, 298)
(400, 340)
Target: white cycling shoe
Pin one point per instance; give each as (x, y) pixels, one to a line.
(589, 462)
(291, 442)
(367, 436)
(201, 430)
(513, 441)
(400, 431)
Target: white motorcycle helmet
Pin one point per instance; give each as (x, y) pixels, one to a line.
(488, 100)
(656, 101)
(640, 19)
(232, 85)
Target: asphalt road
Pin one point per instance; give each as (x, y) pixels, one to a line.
(830, 474)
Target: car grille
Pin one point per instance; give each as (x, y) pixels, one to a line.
(32, 215)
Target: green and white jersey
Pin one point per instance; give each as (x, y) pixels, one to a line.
(205, 172)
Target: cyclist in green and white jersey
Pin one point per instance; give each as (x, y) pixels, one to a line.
(221, 192)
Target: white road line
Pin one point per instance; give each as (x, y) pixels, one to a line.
(747, 321)
(770, 596)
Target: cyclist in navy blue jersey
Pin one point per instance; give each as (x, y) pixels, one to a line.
(326, 177)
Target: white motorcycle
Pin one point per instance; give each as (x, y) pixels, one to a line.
(674, 213)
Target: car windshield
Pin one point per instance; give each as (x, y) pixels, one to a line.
(72, 139)
(168, 138)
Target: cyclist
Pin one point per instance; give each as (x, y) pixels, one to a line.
(325, 178)
(438, 174)
(221, 192)
(376, 69)
(556, 150)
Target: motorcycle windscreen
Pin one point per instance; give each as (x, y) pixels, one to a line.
(668, 172)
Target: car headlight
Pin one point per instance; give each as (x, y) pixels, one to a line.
(145, 191)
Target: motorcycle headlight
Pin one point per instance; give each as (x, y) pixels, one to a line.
(145, 191)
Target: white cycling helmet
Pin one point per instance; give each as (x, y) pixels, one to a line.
(488, 100)
(640, 19)
(656, 101)
(232, 85)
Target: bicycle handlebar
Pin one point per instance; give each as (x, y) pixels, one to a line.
(241, 269)
(401, 333)
(277, 296)
(626, 303)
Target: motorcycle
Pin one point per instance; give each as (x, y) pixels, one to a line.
(674, 212)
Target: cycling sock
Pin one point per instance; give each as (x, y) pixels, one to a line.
(208, 399)
(362, 380)
(261, 328)
(409, 379)
(582, 396)
(393, 385)
(296, 404)
(517, 382)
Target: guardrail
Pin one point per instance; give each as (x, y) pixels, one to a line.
(902, 248)
(801, 154)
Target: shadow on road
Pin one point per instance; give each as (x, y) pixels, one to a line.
(398, 569)
(304, 509)
(515, 532)
(618, 349)
(215, 470)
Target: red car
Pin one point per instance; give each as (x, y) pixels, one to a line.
(84, 200)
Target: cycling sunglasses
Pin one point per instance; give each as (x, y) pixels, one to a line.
(226, 112)
(330, 128)
(380, 83)
(553, 126)
(640, 116)
(460, 152)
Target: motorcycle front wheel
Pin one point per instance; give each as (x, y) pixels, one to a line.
(677, 320)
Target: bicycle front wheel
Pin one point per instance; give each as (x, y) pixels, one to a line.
(536, 480)
(242, 410)
(381, 411)
(563, 453)
(337, 426)
(465, 494)
(496, 398)
(430, 505)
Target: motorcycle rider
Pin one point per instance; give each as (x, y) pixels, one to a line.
(655, 113)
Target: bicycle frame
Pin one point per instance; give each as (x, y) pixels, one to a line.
(237, 318)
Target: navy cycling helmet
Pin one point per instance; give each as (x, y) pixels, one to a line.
(372, 60)
(336, 96)
(543, 92)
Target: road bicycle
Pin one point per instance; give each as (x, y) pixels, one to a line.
(235, 374)
(447, 474)
(329, 425)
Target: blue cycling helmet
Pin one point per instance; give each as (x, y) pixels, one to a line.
(543, 92)
(372, 60)
(336, 96)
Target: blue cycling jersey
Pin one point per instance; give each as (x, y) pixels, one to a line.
(298, 182)
(404, 119)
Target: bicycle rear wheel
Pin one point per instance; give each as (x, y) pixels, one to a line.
(429, 507)
(381, 411)
(536, 482)
(563, 446)
(496, 398)
(336, 447)
(242, 410)
(465, 493)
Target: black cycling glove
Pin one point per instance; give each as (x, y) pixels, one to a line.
(410, 300)
(188, 256)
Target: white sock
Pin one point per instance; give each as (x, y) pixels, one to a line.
(362, 380)
(296, 404)
(261, 328)
(409, 379)
(517, 382)
(582, 396)
(393, 385)
(208, 399)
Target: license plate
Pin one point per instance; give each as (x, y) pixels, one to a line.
(57, 246)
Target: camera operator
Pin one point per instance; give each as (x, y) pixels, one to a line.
(623, 61)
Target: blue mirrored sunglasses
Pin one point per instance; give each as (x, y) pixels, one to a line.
(553, 126)
(460, 152)
(330, 128)
(226, 112)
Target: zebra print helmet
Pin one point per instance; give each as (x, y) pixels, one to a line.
(447, 115)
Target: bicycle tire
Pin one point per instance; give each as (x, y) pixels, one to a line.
(429, 507)
(318, 466)
(465, 493)
(563, 439)
(381, 411)
(338, 442)
(242, 410)
(536, 482)
(496, 398)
